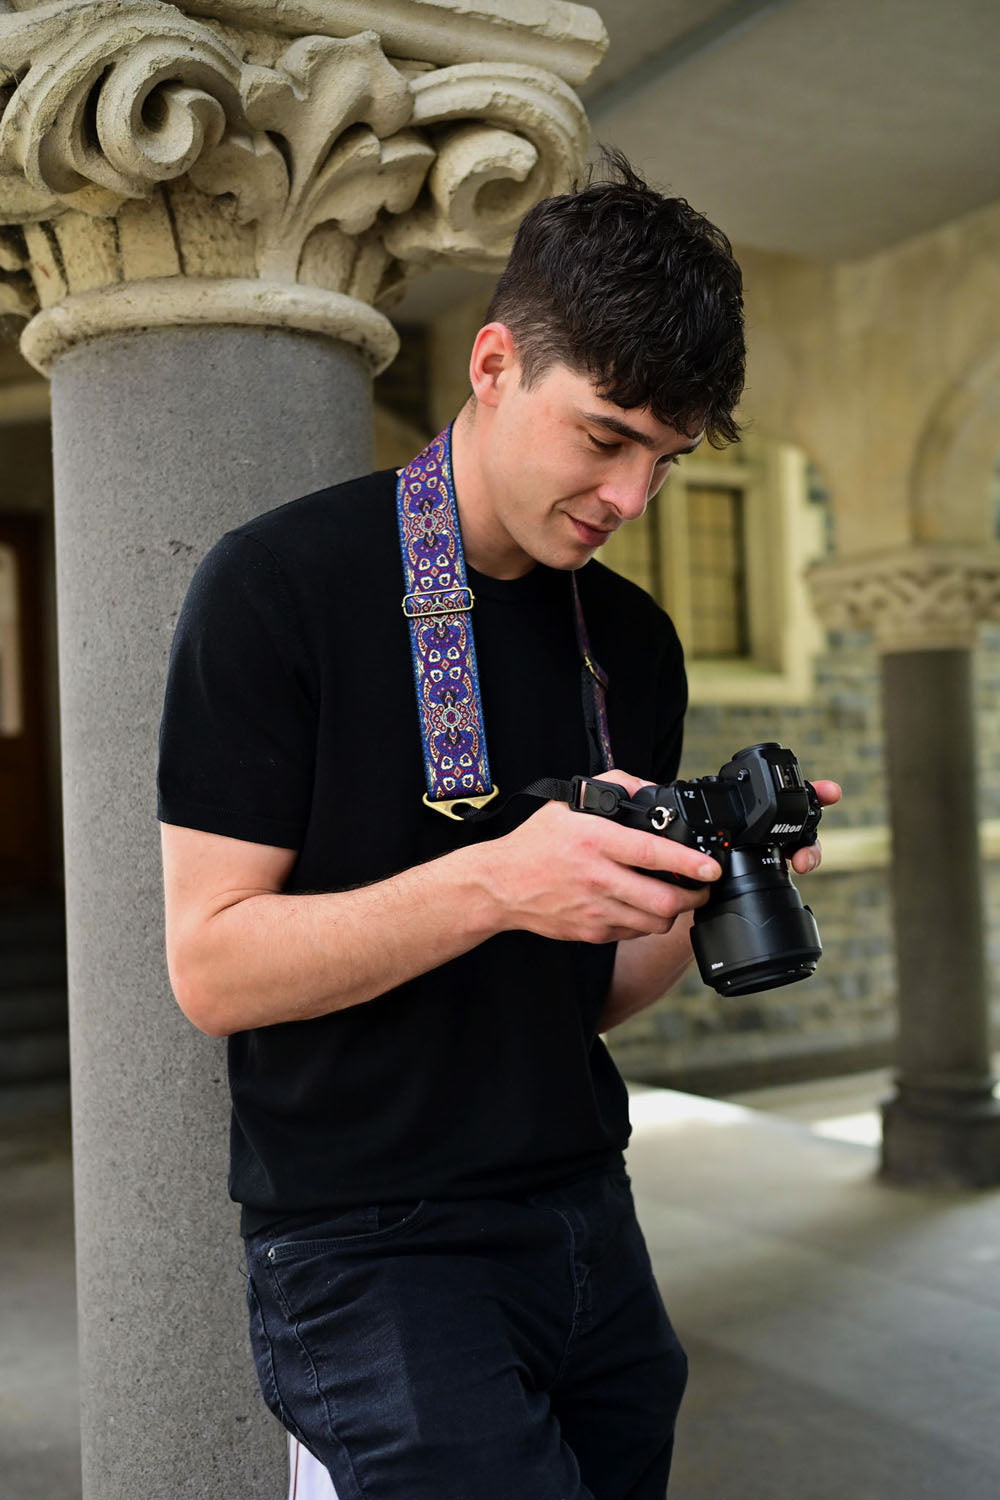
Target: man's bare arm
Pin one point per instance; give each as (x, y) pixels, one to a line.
(243, 953)
(645, 970)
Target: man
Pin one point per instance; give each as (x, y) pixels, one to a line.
(450, 1298)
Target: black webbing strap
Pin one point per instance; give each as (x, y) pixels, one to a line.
(581, 793)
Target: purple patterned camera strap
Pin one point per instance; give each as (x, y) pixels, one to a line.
(438, 608)
(438, 605)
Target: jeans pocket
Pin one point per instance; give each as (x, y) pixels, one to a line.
(356, 1228)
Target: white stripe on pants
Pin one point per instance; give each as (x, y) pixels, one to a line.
(307, 1478)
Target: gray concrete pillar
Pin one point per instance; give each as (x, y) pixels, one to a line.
(162, 440)
(189, 230)
(942, 1124)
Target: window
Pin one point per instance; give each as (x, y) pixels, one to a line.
(724, 547)
(718, 613)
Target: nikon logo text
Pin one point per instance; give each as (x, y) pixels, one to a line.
(786, 828)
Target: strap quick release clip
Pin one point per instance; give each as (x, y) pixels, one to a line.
(602, 797)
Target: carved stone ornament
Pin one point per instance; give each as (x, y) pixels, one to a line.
(925, 597)
(157, 168)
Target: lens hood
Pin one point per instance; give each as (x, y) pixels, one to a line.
(757, 941)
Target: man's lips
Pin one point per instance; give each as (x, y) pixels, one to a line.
(594, 536)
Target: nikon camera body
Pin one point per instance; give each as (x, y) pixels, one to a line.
(753, 933)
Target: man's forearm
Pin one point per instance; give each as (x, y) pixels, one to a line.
(242, 953)
(270, 957)
(645, 969)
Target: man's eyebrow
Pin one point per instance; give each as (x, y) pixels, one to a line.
(632, 433)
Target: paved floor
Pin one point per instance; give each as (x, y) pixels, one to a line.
(39, 1429)
(844, 1336)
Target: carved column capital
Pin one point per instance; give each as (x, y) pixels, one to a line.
(161, 167)
(922, 597)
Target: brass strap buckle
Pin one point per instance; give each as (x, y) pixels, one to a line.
(447, 805)
(438, 609)
(597, 672)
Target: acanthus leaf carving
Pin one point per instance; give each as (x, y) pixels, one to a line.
(111, 100)
(506, 136)
(318, 162)
(318, 152)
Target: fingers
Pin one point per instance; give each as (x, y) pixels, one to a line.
(657, 853)
(619, 921)
(650, 851)
(580, 877)
(639, 851)
(633, 848)
(805, 860)
(622, 778)
(655, 898)
(828, 792)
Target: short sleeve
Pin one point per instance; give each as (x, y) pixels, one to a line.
(672, 700)
(238, 733)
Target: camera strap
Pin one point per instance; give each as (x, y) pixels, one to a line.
(438, 604)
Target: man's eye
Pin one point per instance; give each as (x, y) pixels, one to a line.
(603, 447)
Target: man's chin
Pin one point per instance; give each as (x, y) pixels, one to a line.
(569, 560)
(562, 552)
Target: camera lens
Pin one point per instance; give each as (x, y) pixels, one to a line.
(754, 932)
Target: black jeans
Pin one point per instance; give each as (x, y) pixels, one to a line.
(477, 1350)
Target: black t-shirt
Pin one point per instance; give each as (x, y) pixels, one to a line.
(290, 719)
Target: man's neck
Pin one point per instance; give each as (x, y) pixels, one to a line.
(487, 545)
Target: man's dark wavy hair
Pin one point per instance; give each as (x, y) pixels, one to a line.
(638, 291)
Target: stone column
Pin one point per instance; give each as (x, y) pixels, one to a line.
(204, 211)
(924, 604)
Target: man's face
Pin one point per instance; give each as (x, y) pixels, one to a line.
(566, 468)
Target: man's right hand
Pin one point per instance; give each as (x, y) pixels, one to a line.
(579, 877)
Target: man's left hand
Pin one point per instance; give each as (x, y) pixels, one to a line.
(804, 860)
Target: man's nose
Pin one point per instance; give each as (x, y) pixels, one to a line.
(628, 491)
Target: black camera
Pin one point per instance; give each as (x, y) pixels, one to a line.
(753, 933)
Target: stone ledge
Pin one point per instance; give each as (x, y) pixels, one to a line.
(920, 597)
(848, 849)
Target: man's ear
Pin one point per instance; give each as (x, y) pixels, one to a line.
(493, 365)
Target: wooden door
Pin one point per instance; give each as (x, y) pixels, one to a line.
(24, 851)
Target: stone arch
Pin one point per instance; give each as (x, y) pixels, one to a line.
(955, 459)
